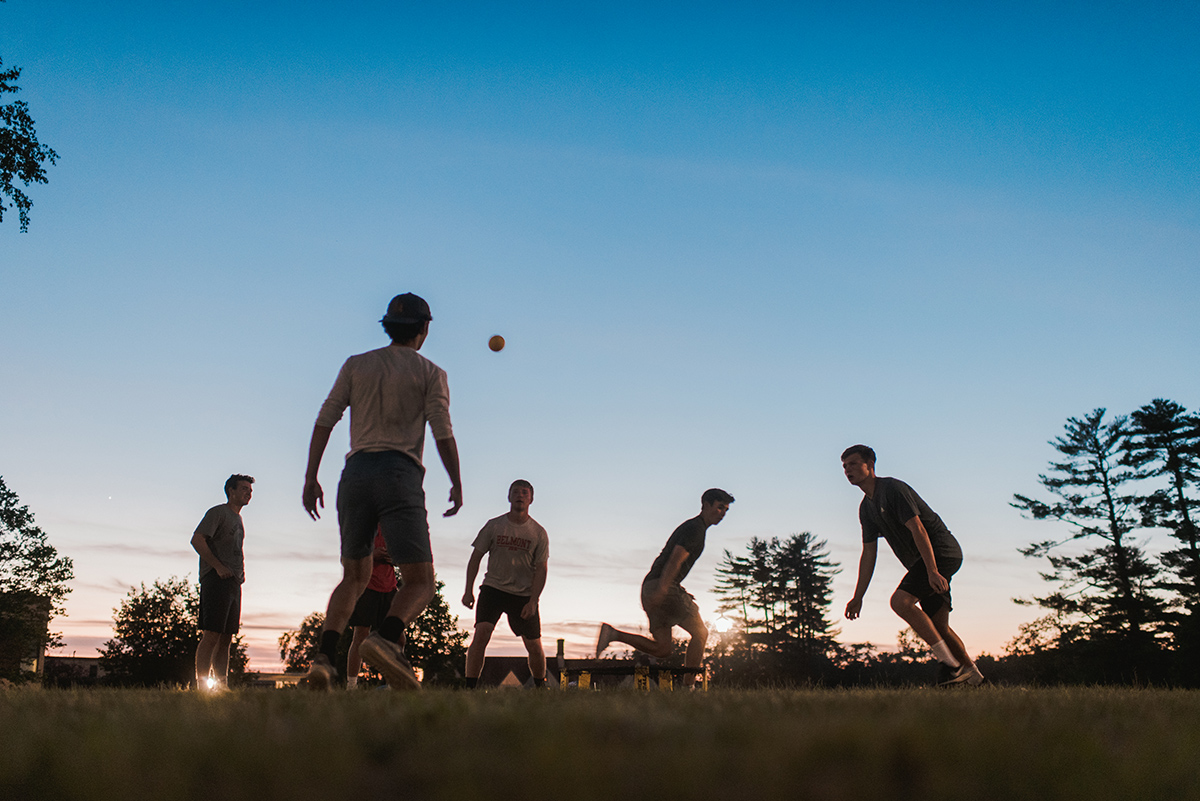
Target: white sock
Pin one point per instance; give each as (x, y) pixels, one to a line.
(351, 682)
(941, 652)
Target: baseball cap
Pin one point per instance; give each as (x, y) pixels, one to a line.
(407, 308)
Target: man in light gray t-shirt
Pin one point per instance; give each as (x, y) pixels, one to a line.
(218, 541)
(518, 551)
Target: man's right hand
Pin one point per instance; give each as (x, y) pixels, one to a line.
(853, 608)
(312, 496)
(456, 499)
(468, 599)
(223, 571)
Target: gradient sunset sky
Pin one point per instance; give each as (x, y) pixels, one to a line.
(723, 241)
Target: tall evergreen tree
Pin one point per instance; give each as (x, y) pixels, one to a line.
(1165, 444)
(1109, 586)
(779, 592)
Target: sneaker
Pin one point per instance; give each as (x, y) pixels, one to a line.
(606, 637)
(976, 678)
(948, 676)
(321, 674)
(389, 659)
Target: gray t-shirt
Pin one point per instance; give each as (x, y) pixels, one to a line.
(392, 393)
(690, 534)
(515, 550)
(885, 513)
(222, 527)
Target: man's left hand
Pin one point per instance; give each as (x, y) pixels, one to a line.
(530, 609)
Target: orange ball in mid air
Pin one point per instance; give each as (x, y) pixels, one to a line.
(496, 343)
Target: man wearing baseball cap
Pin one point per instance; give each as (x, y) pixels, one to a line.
(392, 393)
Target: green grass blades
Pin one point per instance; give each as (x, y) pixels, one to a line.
(990, 743)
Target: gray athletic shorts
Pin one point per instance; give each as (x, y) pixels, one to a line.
(383, 491)
(678, 605)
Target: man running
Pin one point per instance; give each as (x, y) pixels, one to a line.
(928, 551)
(518, 550)
(218, 540)
(666, 602)
(392, 393)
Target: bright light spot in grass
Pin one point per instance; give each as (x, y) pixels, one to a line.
(211, 683)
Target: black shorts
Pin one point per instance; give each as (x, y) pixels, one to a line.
(220, 603)
(382, 491)
(493, 602)
(372, 608)
(916, 582)
(678, 606)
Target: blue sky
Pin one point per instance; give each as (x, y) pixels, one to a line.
(723, 242)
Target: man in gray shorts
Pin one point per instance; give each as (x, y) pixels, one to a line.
(218, 540)
(666, 602)
(892, 510)
(392, 393)
(518, 550)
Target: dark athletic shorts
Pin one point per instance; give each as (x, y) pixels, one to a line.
(678, 606)
(220, 603)
(916, 582)
(493, 602)
(372, 608)
(383, 491)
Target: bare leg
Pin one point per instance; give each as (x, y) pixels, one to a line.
(353, 658)
(209, 641)
(941, 621)
(904, 604)
(475, 652)
(356, 573)
(659, 647)
(415, 593)
(220, 660)
(537, 658)
(695, 649)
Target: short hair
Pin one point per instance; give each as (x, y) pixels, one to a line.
(404, 332)
(232, 482)
(520, 482)
(867, 454)
(715, 495)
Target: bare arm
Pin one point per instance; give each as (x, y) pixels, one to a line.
(670, 572)
(313, 494)
(539, 584)
(473, 563)
(200, 543)
(925, 547)
(448, 450)
(866, 569)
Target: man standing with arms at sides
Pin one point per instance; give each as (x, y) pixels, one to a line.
(371, 609)
(518, 550)
(392, 393)
(928, 551)
(666, 602)
(218, 539)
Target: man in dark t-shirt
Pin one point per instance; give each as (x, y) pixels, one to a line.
(666, 602)
(926, 548)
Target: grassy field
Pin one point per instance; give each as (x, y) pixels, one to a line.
(868, 744)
